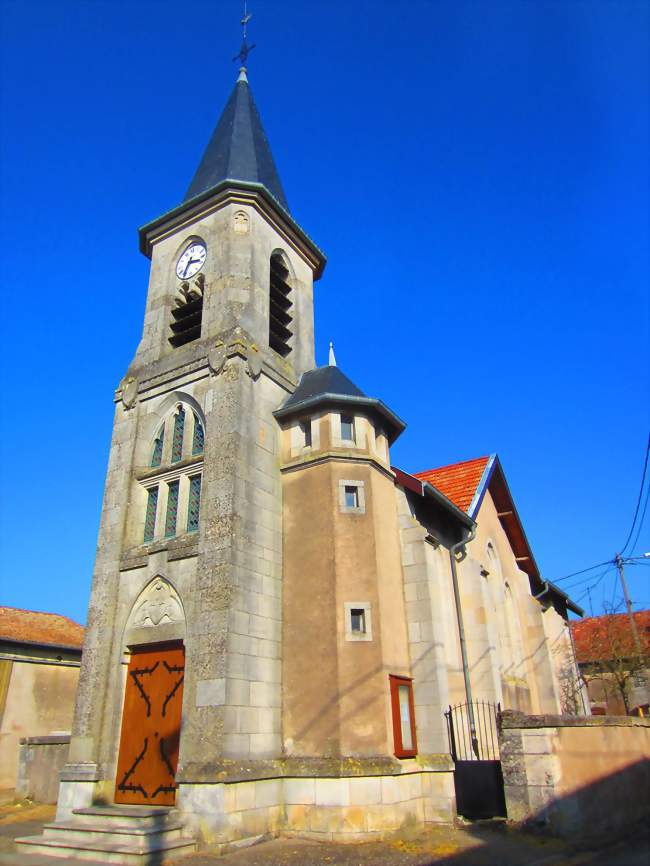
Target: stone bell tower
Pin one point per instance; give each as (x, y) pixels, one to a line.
(190, 546)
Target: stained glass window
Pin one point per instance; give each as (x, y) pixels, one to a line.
(156, 456)
(172, 509)
(150, 519)
(197, 441)
(194, 504)
(179, 427)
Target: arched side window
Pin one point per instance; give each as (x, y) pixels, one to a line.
(179, 430)
(513, 625)
(187, 310)
(173, 493)
(280, 304)
(199, 437)
(156, 453)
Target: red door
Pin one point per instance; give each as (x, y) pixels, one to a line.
(151, 726)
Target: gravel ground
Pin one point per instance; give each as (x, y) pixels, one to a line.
(479, 844)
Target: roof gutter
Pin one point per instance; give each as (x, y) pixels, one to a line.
(439, 497)
(370, 402)
(551, 588)
(423, 488)
(231, 183)
(40, 643)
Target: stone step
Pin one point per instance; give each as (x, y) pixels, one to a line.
(61, 846)
(112, 832)
(143, 816)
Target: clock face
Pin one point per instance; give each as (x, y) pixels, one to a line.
(191, 261)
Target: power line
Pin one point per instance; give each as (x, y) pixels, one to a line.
(593, 585)
(638, 502)
(584, 570)
(645, 506)
(596, 580)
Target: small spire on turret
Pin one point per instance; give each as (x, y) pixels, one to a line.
(332, 359)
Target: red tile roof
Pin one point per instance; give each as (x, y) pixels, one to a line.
(604, 637)
(37, 627)
(458, 481)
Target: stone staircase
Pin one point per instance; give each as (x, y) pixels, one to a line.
(113, 834)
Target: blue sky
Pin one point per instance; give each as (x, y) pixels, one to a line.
(477, 174)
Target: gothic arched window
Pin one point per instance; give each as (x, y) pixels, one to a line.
(280, 304)
(179, 429)
(199, 437)
(159, 441)
(173, 493)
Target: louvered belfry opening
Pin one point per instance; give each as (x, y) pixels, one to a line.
(279, 306)
(187, 313)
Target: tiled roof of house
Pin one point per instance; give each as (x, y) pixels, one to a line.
(598, 638)
(33, 626)
(458, 481)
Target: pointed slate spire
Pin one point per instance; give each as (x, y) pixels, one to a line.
(332, 358)
(238, 149)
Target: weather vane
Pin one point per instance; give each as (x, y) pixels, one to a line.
(245, 49)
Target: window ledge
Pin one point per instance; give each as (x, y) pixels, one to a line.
(169, 468)
(180, 547)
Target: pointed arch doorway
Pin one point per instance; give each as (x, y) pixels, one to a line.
(153, 699)
(151, 726)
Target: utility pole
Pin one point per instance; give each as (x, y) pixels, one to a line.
(628, 604)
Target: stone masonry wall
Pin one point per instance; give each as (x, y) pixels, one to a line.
(577, 777)
(40, 760)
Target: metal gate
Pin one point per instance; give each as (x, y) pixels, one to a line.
(474, 743)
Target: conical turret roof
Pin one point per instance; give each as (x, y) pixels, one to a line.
(329, 386)
(239, 149)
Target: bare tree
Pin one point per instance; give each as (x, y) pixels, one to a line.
(607, 655)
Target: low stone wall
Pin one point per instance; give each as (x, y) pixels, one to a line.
(344, 809)
(40, 760)
(576, 776)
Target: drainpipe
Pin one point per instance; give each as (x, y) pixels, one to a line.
(453, 550)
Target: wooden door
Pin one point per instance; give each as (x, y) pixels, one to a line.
(151, 726)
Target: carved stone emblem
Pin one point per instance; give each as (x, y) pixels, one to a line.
(217, 358)
(159, 605)
(240, 223)
(129, 392)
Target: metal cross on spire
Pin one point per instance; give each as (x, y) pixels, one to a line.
(245, 49)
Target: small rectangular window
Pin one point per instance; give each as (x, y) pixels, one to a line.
(172, 509)
(347, 428)
(358, 620)
(305, 427)
(402, 706)
(351, 496)
(150, 518)
(194, 505)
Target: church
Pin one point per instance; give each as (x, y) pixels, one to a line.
(280, 618)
